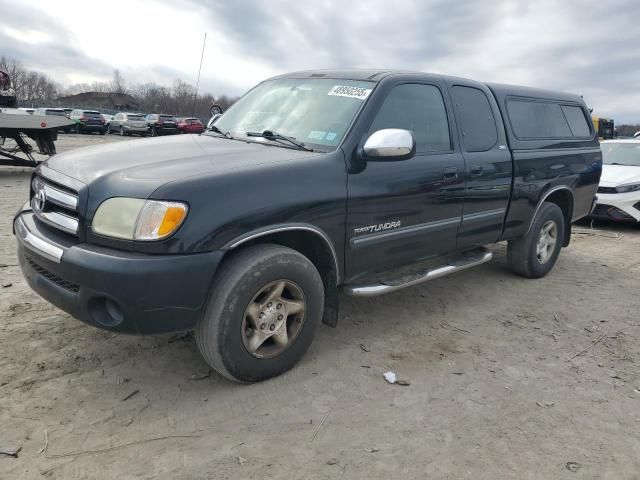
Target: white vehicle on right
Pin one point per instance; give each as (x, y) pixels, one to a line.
(619, 189)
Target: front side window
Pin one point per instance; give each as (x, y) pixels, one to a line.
(315, 111)
(419, 108)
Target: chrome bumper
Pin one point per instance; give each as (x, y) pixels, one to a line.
(35, 243)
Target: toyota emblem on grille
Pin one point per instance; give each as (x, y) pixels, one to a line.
(39, 199)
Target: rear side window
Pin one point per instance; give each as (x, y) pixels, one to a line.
(577, 121)
(479, 131)
(419, 108)
(532, 120)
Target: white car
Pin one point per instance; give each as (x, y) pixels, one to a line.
(619, 189)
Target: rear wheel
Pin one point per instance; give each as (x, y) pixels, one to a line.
(153, 132)
(535, 254)
(122, 134)
(263, 311)
(77, 128)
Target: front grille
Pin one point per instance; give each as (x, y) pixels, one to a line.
(55, 204)
(52, 277)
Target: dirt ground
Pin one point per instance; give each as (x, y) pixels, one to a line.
(510, 378)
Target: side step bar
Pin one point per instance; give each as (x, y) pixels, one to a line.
(465, 260)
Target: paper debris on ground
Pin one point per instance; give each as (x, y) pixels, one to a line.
(390, 377)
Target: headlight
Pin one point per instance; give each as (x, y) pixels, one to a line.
(136, 219)
(631, 187)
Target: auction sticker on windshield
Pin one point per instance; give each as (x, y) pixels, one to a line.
(351, 92)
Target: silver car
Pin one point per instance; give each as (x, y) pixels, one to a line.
(128, 124)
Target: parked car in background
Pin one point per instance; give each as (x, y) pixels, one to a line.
(56, 112)
(88, 121)
(190, 125)
(619, 190)
(161, 124)
(126, 123)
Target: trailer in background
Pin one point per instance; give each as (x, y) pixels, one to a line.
(605, 128)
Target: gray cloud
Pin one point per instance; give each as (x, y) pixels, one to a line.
(583, 47)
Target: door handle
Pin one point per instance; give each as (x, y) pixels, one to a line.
(450, 173)
(476, 170)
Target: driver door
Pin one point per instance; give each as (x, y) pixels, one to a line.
(400, 212)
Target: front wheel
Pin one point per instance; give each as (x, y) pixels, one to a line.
(263, 311)
(535, 254)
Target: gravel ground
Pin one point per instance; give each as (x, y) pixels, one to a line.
(509, 378)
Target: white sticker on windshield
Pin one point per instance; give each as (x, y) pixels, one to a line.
(316, 135)
(351, 92)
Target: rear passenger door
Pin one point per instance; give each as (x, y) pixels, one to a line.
(488, 165)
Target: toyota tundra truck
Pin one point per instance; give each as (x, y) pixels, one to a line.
(312, 185)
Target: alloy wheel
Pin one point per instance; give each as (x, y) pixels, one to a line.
(273, 319)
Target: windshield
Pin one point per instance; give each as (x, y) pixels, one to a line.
(167, 118)
(621, 153)
(135, 118)
(317, 112)
(92, 114)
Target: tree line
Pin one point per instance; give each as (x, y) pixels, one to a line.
(37, 89)
(627, 130)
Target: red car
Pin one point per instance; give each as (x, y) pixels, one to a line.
(190, 125)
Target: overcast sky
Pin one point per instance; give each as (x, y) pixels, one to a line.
(586, 47)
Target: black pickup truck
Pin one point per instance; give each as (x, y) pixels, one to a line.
(313, 183)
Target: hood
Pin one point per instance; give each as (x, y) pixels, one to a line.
(155, 161)
(614, 175)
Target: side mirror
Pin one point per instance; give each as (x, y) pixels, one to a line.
(390, 144)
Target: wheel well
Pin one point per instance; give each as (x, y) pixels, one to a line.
(317, 250)
(564, 199)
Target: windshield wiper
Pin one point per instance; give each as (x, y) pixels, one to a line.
(275, 136)
(215, 129)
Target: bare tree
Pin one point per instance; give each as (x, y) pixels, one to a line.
(29, 85)
(118, 83)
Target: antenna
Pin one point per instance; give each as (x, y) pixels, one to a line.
(195, 96)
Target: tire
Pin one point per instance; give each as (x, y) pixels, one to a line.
(221, 333)
(153, 132)
(77, 128)
(102, 132)
(109, 129)
(122, 134)
(523, 255)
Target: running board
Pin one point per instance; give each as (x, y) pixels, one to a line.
(458, 263)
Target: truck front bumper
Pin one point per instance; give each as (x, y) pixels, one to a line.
(120, 291)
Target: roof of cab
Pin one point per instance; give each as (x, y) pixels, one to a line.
(362, 74)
